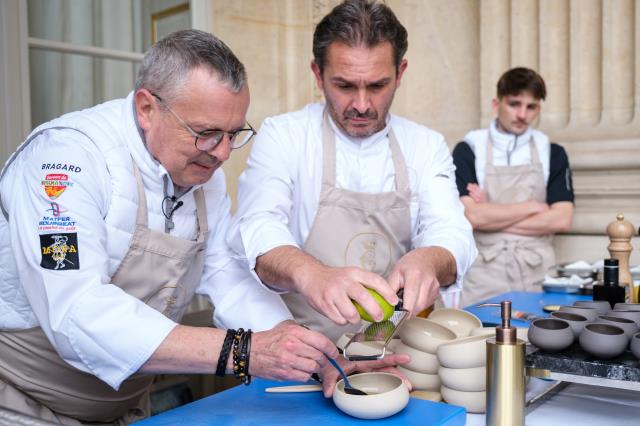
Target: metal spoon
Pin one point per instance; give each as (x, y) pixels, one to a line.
(347, 386)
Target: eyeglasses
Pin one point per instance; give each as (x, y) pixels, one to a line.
(208, 139)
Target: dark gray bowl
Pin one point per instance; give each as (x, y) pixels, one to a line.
(602, 306)
(576, 322)
(632, 315)
(603, 340)
(550, 334)
(626, 307)
(635, 345)
(589, 313)
(628, 326)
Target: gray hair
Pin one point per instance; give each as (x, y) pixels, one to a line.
(167, 64)
(359, 23)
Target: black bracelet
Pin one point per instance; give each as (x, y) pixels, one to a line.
(224, 353)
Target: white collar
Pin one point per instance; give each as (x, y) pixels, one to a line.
(505, 141)
(361, 143)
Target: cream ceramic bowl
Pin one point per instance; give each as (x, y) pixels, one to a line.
(521, 332)
(464, 379)
(459, 321)
(474, 402)
(421, 381)
(425, 335)
(421, 362)
(468, 352)
(390, 396)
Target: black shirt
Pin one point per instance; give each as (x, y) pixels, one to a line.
(559, 186)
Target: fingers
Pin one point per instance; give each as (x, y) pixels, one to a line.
(289, 352)
(421, 286)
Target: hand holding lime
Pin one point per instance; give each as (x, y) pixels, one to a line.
(387, 308)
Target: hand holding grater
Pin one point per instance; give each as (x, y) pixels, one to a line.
(374, 337)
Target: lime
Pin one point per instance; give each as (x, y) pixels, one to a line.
(387, 309)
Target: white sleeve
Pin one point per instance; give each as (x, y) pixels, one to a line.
(238, 297)
(441, 220)
(60, 194)
(265, 191)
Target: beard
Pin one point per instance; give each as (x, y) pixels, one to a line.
(342, 120)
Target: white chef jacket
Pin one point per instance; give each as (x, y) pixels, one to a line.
(508, 149)
(278, 192)
(96, 326)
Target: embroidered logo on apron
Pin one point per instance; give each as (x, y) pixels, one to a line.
(370, 251)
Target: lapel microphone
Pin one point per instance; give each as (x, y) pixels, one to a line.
(169, 206)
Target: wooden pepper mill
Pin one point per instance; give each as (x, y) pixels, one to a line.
(620, 232)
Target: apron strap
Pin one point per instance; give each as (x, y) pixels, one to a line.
(201, 212)
(141, 216)
(535, 158)
(329, 153)
(399, 165)
(489, 156)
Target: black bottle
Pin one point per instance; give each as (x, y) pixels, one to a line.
(609, 290)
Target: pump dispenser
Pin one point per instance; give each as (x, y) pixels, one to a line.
(505, 373)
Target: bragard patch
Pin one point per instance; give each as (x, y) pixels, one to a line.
(60, 251)
(61, 166)
(55, 184)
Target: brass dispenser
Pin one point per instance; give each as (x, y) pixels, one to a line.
(505, 373)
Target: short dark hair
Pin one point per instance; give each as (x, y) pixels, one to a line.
(359, 23)
(168, 62)
(521, 79)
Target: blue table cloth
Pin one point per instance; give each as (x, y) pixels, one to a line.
(522, 301)
(251, 405)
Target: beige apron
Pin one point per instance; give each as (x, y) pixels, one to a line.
(509, 262)
(159, 269)
(371, 231)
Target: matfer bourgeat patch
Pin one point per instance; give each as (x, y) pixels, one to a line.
(55, 184)
(60, 251)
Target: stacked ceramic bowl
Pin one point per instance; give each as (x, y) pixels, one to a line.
(460, 360)
(420, 338)
(600, 331)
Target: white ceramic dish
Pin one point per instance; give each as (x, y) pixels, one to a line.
(459, 321)
(425, 335)
(421, 381)
(391, 396)
(474, 402)
(468, 352)
(421, 362)
(464, 379)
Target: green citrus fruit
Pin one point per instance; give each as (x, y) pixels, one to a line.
(387, 309)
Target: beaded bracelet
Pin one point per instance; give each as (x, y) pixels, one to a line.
(224, 353)
(241, 352)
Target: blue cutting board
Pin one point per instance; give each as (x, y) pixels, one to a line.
(251, 405)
